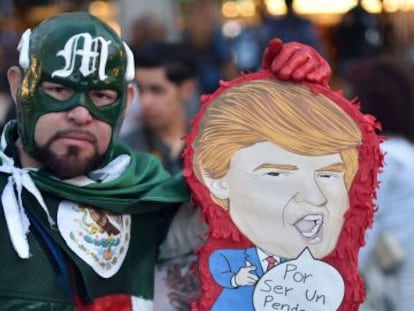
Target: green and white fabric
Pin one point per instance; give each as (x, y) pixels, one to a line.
(133, 194)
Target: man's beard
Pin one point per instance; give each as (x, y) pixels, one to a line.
(72, 163)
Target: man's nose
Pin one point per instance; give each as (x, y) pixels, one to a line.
(311, 193)
(80, 115)
(146, 99)
(145, 104)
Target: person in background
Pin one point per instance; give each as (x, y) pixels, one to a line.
(166, 77)
(146, 29)
(247, 48)
(386, 89)
(358, 35)
(289, 27)
(214, 60)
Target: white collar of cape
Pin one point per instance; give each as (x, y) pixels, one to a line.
(16, 219)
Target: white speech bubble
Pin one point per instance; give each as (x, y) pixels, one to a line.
(302, 284)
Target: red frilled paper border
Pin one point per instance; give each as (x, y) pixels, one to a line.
(224, 234)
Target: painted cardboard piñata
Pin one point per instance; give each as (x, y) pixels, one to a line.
(285, 174)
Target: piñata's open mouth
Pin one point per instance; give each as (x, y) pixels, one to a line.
(309, 226)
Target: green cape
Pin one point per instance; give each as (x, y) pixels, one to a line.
(141, 188)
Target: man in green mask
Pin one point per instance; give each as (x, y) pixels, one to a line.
(82, 215)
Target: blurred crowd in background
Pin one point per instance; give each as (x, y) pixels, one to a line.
(370, 47)
(228, 36)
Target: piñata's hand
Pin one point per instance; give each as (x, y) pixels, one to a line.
(245, 276)
(296, 61)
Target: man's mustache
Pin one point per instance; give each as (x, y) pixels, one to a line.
(75, 133)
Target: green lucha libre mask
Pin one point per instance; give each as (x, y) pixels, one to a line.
(79, 51)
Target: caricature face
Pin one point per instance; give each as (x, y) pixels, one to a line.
(284, 201)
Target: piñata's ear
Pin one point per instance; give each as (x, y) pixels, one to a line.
(218, 187)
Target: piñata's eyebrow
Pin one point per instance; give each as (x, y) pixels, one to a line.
(286, 167)
(336, 167)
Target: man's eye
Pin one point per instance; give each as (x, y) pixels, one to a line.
(103, 97)
(57, 91)
(157, 90)
(54, 89)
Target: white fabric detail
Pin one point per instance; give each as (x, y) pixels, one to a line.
(100, 238)
(24, 49)
(130, 69)
(141, 304)
(11, 199)
(112, 170)
(108, 173)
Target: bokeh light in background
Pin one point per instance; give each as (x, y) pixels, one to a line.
(108, 12)
(333, 7)
(232, 28)
(275, 7)
(230, 9)
(246, 8)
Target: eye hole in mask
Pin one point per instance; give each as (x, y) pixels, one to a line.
(60, 92)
